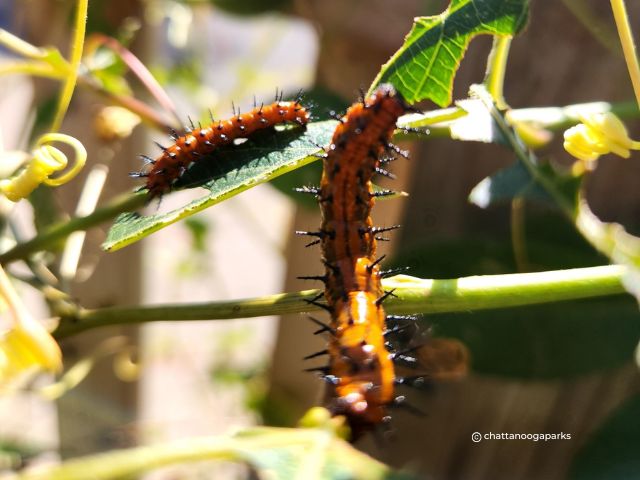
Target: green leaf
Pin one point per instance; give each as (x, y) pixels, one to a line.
(226, 173)
(109, 70)
(426, 64)
(506, 184)
(612, 452)
(516, 181)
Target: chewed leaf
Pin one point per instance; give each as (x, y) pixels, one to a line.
(226, 173)
(425, 65)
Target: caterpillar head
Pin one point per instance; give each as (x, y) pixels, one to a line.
(362, 415)
(387, 98)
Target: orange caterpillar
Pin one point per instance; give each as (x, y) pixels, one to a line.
(198, 142)
(361, 371)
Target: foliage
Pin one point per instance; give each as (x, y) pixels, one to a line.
(425, 65)
(423, 68)
(235, 170)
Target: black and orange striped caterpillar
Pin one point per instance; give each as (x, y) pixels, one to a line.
(361, 371)
(163, 171)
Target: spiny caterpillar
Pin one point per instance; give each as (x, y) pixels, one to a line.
(174, 160)
(361, 369)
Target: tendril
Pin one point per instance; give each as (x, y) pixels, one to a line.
(45, 161)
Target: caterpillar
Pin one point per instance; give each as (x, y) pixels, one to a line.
(195, 143)
(361, 370)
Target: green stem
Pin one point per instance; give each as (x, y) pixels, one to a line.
(243, 308)
(301, 446)
(60, 231)
(561, 118)
(19, 46)
(139, 70)
(143, 110)
(518, 236)
(628, 45)
(550, 118)
(135, 461)
(496, 68)
(74, 62)
(37, 69)
(525, 155)
(503, 291)
(414, 295)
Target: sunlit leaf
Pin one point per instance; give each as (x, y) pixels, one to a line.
(425, 65)
(226, 173)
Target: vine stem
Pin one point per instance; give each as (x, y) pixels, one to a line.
(60, 231)
(19, 46)
(496, 68)
(247, 446)
(31, 68)
(518, 236)
(628, 45)
(75, 56)
(139, 69)
(414, 295)
(549, 118)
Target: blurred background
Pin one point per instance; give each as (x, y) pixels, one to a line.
(568, 367)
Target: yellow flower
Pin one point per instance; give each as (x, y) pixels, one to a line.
(26, 347)
(598, 134)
